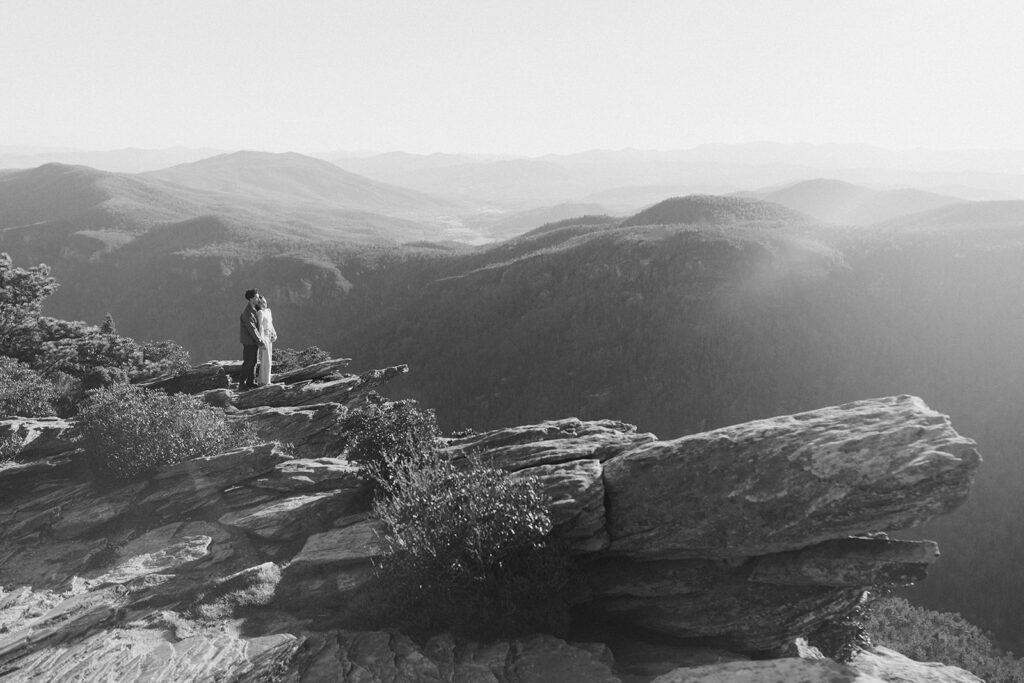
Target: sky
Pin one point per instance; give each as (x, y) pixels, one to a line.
(512, 76)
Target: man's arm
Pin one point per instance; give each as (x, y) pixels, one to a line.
(249, 325)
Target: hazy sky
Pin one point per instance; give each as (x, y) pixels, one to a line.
(512, 76)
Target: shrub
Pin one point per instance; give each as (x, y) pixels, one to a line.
(286, 360)
(466, 551)
(946, 637)
(10, 446)
(380, 433)
(161, 357)
(842, 637)
(23, 391)
(130, 432)
(100, 377)
(68, 391)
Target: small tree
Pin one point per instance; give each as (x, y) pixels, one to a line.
(108, 326)
(22, 292)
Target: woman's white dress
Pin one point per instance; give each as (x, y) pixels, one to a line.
(266, 355)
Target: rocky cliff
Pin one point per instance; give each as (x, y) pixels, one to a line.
(694, 554)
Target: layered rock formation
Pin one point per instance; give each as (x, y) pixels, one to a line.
(230, 567)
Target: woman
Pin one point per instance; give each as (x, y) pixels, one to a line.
(269, 335)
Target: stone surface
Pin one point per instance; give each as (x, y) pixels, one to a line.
(738, 537)
(353, 544)
(317, 474)
(89, 512)
(735, 614)
(379, 657)
(576, 494)
(889, 665)
(321, 370)
(308, 430)
(40, 437)
(551, 442)
(788, 482)
(193, 484)
(295, 516)
(790, 670)
(121, 654)
(849, 562)
(332, 565)
(312, 393)
(164, 557)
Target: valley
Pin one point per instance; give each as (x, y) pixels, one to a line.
(691, 313)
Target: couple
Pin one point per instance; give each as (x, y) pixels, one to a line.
(258, 337)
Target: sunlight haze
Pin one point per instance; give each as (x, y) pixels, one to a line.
(527, 77)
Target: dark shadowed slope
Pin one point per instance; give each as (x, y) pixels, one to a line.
(295, 178)
(835, 201)
(698, 209)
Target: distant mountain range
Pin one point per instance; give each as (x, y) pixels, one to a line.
(295, 179)
(524, 183)
(835, 201)
(117, 160)
(262, 196)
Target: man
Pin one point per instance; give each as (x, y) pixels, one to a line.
(251, 341)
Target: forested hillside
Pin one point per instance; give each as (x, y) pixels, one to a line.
(684, 328)
(725, 311)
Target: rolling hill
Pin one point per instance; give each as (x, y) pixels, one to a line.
(292, 178)
(700, 209)
(695, 313)
(498, 225)
(835, 201)
(964, 216)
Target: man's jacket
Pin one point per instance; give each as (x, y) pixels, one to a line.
(249, 334)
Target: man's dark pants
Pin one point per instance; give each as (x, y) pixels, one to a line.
(249, 354)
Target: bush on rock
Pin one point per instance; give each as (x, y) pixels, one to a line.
(382, 433)
(466, 550)
(23, 391)
(130, 432)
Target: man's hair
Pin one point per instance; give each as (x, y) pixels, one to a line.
(250, 293)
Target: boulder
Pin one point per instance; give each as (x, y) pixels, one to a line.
(575, 491)
(312, 393)
(316, 371)
(788, 482)
(889, 665)
(790, 670)
(309, 430)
